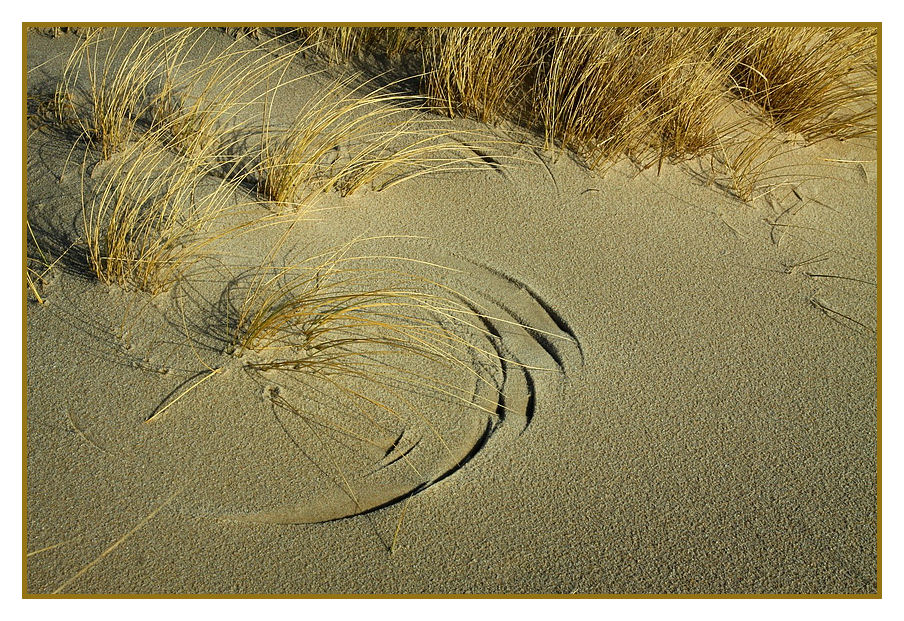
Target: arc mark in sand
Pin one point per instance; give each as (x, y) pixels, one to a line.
(552, 314)
(523, 330)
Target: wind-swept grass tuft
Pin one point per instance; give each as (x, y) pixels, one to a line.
(149, 217)
(816, 81)
(330, 320)
(345, 138)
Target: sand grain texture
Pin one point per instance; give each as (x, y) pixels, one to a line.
(711, 430)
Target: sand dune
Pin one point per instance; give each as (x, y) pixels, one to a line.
(665, 389)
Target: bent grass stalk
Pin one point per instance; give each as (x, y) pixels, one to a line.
(346, 141)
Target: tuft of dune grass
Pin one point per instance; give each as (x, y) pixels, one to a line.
(654, 93)
(345, 138)
(121, 67)
(647, 93)
(816, 81)
(149, 217)
(478, 71)
(337, 319)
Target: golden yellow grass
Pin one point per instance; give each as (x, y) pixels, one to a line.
(658, 93)
(819, 82)
(144, 221)
(647, 93)
(121, 67)
(345, 138)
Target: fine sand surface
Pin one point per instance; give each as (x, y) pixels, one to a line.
(695, 410)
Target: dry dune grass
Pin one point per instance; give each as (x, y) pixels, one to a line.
(171, 115)
(121, 68)
(652, 93)
(478, 71)
(327, 314)
(341, 44)
(146, 79)
(168, 123)
(640, 92)
(608, 91)
(145, 221)
(371, 333)
(820, 82)
(165, 130)
(346, 138)
(648, 93)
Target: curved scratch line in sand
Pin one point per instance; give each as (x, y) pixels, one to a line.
(344, 506)
(515, 399)
(553, 315)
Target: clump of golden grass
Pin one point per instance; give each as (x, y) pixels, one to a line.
(603, 92)
(594, 91)
(198, 105)
(478, 71)
(342, 44)
(122, 66)
(329, 318)
(655, 93)
(647, 93)
(148, 219)
(816, 81)
(345, 138)
(144, 76)
(690, 98)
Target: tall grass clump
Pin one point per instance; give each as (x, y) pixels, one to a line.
(654, 93)
(816, 81)
(118, 82)
(149, 218)
(593, 91)
(347, 137)
(690, 101)
(478, 71)
(343, 44)
(646, 93)
(121, 67)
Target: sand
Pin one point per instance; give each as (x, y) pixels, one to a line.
(706, 423)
